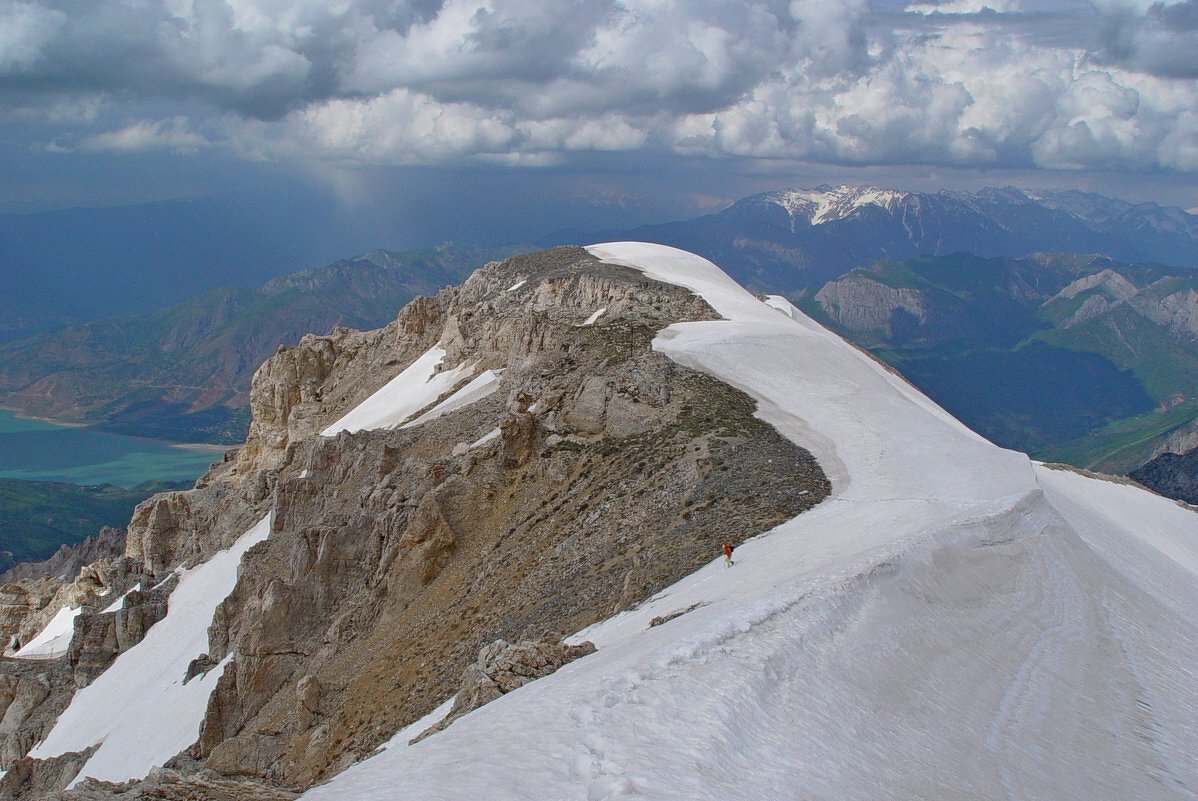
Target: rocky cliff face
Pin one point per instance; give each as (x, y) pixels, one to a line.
(596, 473)
(68, 560)
(1173, 475)
(34, 691)
(861, 303)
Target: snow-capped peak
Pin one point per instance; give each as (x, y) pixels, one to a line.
(825, 203)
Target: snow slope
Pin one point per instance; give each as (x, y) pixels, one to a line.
(401, 397)
(140, 709)
(954, 622)
(54, 639)
(828, 204)
(478, 388)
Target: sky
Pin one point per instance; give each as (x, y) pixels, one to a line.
(586, 113)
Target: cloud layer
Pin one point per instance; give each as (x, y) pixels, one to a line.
(1106, 84)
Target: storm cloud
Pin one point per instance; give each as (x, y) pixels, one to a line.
(1101, 85)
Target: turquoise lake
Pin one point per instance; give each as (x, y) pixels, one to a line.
(39, 451)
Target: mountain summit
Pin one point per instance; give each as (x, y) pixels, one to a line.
(826, 204)
(564, 442)
(786, 241)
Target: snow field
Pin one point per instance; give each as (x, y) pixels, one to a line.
(478, 388)
(115, 605)
(401, 397)
(54, 639)
(419, 385)
(954, 622)
(139, 710)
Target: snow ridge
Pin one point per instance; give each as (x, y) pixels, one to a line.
(825, 203)
(954, 621)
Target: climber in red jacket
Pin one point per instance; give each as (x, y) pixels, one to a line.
(728, 555)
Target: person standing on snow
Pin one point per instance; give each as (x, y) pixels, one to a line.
(728, 555)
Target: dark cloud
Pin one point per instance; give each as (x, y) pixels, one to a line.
(994, 83)
(1161, 39)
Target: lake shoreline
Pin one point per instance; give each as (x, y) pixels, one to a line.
(39, 450)
(200, 446)
(21, 415)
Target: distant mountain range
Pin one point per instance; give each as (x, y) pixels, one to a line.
(183, 373)
(794, 239)
(1070, 358)
(78, 265)
(1086, 359)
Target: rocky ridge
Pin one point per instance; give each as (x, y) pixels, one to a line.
(595, 474)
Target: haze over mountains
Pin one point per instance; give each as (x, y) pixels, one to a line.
(788, 240)
(1041, 354)
(1086, 359)
(183, 373)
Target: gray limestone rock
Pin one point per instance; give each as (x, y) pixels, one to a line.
(502, 667)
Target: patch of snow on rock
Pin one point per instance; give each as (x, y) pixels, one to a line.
(115, 605)
(139, 710)
(485, 438)
(479, 387)
(591, 320)
(54, 639)
(403, 396)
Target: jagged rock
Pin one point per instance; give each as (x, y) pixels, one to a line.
(428, 540)
(386, 589)
(20, 605)
(33, 695)
(172, 528)
(29, 604)
(68, 560)
(199, 667)
(20, 696)
(307, 696)
(164, 784)
(282, 395)
(36, 691)
(502, 667)
(861, 303)
(101, 637)
(518, 437)
(38, 779)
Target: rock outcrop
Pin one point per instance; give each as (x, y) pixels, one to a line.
(1174, 475)
(32, 696)
(861, 303)
(68, 560)
(101, 637)
(502, 667)
(34, 691)
(27, 605)
(36, 780)
(164, 784)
